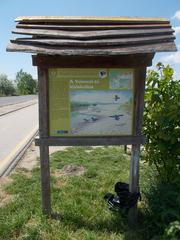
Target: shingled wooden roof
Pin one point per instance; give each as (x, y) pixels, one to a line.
(92, 36)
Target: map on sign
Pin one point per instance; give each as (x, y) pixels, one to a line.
(90, 102)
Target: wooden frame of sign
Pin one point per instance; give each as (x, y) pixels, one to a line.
(138, 62)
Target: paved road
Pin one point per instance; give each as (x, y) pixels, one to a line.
(15, 129)
(16, 99)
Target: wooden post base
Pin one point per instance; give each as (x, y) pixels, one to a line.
(45, 180)
(134, 181)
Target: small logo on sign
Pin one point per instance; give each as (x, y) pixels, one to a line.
(102, 73)
(62, 131)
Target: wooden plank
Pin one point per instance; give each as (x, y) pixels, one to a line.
(129, 61)
(88, 19)
(85, 35)
(89, 141)
(91, 27)
(140, 75)
(43, 102)
(95, 43)
(43, 132)
(110, 51)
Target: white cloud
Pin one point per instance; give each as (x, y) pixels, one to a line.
(173, 58)
(176, 15)
(177, 30)
(176, 75)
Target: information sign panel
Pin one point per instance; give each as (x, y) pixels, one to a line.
(90, 102)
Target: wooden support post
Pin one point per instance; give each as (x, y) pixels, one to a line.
(134, 168)
(140, 75)
(125, 149)
(45, 180)
(43, 133)
(134, 180)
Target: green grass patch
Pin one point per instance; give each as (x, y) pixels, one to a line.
(84, 215)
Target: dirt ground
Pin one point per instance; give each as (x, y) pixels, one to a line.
(28, 162)
(31, 157)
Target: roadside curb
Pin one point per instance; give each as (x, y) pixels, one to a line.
(15, 156)
(14, 110)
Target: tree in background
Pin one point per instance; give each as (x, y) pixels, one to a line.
(25, 83)
(162, 122)
(6, 86)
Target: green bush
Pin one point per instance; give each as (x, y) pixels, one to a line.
(173, 231)
(162, 208)
(162, 122)
(6, 86)
(25, 83)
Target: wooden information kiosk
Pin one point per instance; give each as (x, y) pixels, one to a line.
(91, 74)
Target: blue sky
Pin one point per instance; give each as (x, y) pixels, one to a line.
(10, 63)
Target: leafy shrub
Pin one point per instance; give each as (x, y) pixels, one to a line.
(173, 231)
(6, 86)
(162, 122)
(161, 206)
(25, 83)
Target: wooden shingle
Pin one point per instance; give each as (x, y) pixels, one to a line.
(91, 36)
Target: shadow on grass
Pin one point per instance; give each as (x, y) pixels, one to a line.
(116, 224)
(158, 217)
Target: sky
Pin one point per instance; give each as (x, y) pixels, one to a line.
(11, 63)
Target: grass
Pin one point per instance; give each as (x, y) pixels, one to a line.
(84, 215)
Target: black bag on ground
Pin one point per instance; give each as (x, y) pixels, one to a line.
(123, 199)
